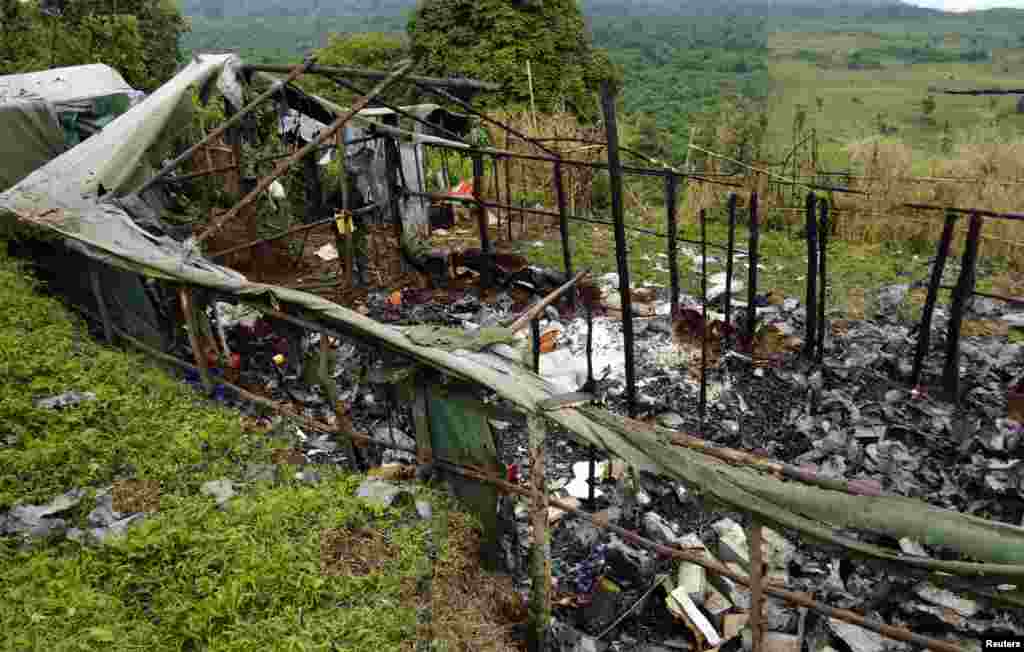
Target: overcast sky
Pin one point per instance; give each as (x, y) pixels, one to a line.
(967, 5)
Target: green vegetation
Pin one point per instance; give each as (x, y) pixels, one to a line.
(258, 574)
(139, 38)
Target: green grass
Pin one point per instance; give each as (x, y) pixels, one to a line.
(191, 576)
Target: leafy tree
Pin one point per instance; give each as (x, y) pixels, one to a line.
(493, 39)
(375, 50)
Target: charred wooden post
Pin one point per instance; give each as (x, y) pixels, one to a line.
(189, 311)
(615, 174)
(97, 293)
(963, 292)
(811, 335)
(756, 585)
(671, 186)
(823, 280)
(540, 551)
(752, 272)
(508, 194)
(924, 333)
(704, 317)
(730, 250)
(486, 273)
(563, 227)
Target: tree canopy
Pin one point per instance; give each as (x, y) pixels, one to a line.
(493, 40)
(137, 37)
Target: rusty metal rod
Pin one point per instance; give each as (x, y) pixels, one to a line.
(294, 72)
(284, 165)
(536, 309)
(966, 211)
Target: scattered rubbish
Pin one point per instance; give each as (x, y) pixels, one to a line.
(41, 520)
(947, 599)
(579, 486)
(327, 253)
(221, 490)
(381, 492)
(857, 638)
(682, 607)
(67, 399)
(555, 514)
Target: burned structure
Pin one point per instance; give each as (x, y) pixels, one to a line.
(106, 200)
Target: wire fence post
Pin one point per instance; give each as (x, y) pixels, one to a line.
(752, 272)
(615, 175)
(729, 253)
(563, 227)
(671, 186)
(822, 279)
(540, 550)
(924, 333)
(963, 292)
(811, 319)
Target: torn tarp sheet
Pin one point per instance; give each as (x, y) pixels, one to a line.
(61, 197)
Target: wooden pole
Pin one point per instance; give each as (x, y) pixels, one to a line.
(811, 309)
(533, 105)
(540, 551)
(671, 183)
(188, 308)
(752, 272)
(924, 333)
(534, 311)
(704, 317)
(963, 292)
(563, 227)
(535, 341)
(622, 262)
(730, 251)
(823, 280)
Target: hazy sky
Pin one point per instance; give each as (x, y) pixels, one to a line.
(967, 5)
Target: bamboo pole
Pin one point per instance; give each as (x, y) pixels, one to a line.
(964, 289)
(563, 226)
(704, 317)
(536, 309)
(811, 309)
(673, 251)
(823, 280)
(540, 551)
(752, 261)
(730, 254)
(924, 333)
(284, 165)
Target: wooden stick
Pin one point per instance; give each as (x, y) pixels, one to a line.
(964, 289)
(673, 252)
(185, 294)
(924, 333)
(730, 253)
(704, 317)
(535, 340)
(540, 551)
(756, 585)
(536, 309)
(563, 226)
(752, 272)
(811, 309)
(823, 279)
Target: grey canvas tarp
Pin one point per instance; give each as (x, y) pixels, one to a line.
(61, 198)
(31, 106)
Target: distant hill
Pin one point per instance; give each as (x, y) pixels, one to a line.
(310, 8)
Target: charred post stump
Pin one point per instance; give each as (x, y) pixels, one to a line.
(540, 550)
(729, 253)
(671, 184)
(615, 175)
(963, 292)
(938, 267)
(823, 279)
(752, 272)
(811, 335)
